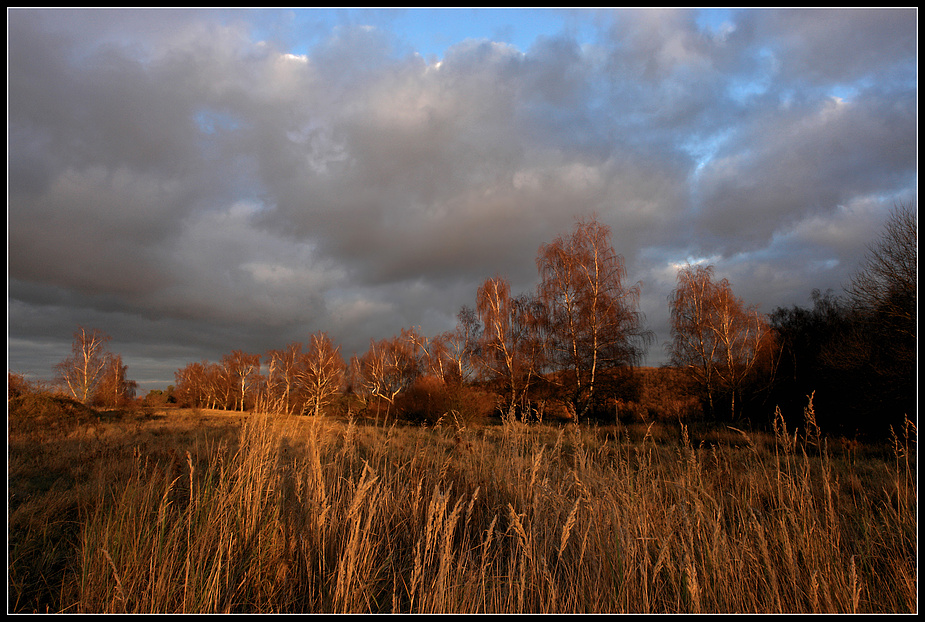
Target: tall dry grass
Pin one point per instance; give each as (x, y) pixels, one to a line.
(324, 516)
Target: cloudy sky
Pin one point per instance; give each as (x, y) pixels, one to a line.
(193, 182)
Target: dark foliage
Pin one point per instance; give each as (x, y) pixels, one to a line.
(854, 364)
(429, 399)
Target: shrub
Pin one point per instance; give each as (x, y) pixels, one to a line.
(425, 401)
(430, 398)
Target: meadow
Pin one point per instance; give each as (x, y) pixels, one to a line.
(199, 511)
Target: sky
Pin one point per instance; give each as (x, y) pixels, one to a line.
(193, 182)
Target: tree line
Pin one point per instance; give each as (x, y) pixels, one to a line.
(569, 349)
(560, 344)
(857, 353)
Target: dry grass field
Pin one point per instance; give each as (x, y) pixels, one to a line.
(208, 511)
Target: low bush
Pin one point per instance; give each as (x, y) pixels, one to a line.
(429, 399)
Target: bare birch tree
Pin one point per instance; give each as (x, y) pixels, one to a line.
(389, 367)
(114, 388)
(593, 316)
(82, 371)
(509, 349)
(191, 385)
(282, 374)
(240, 369)
(715, 337)
(320, 374)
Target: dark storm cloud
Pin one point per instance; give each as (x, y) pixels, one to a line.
(194, 182)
